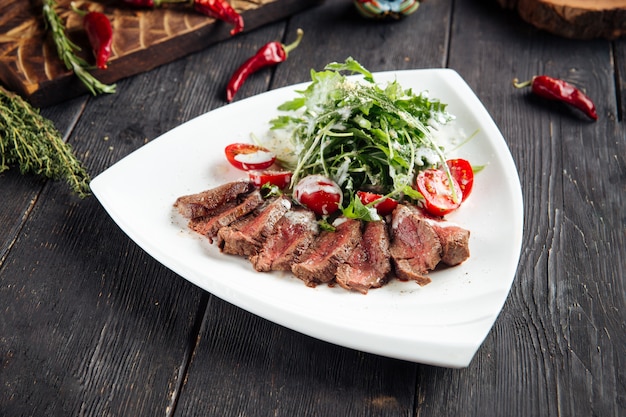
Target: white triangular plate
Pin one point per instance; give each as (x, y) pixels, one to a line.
(443, 323)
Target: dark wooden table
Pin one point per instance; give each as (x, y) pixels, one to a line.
(90, 325)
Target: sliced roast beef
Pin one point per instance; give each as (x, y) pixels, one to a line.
(228, 213)
(357, 255)
(415, 247)
(330, 249)
(454, 241)
(245, 238)
(207, 202)
(293, 234)
(368, 266)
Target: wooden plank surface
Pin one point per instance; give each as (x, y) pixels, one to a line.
(551, 348)
(143, 39)
(92, 326)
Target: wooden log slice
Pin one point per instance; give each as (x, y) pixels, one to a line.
(576, 19)
(142, 40)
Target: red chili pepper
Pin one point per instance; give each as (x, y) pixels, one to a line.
(98, 28)
(271, 53)
(222, 10)
(556, 89)
(100, 34)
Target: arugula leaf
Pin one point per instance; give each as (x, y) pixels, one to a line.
(270, 190)
(325, 225)
(360, 134)
(357, 210)
(353, 66)
(412, 193)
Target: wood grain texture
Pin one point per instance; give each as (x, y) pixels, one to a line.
(551, 327)
(90, 325)
(245, 365)
(576, 19)
(24, 192)
(109, 332)
(89, 340)
(620, 78)
(377, 45)
(143, 39)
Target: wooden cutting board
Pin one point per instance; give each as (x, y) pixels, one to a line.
(576, 19)
(143, 39)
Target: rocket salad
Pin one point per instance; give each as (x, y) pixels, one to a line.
(369, 139)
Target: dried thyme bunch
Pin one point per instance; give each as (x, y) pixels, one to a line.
(30, 141)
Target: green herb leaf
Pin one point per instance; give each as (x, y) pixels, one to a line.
(269, 190)
(66, 51)
(359, 134)
(412, 193)
(357, 210)
(477, 168)
(325, 225)
(352, 66)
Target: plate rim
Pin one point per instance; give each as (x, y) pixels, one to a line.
(457, 356)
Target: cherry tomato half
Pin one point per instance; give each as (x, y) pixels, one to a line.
(246, 156)
(462, 172)
(383, 208)
(437, 192)
(280, 179)
(319, 194)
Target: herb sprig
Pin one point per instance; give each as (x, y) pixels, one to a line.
(66, 50)
(360, 134)
(31, 141)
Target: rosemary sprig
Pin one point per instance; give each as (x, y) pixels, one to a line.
(31, 141)
(66, 50)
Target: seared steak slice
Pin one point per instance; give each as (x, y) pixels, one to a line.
(293, 234)
(454, 241)
(209, 225)
(368, 266)
(245, 238)
(331, 248)
(206, 202)
(415, 247)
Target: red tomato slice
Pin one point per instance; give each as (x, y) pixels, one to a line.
(433, 184)
(280, 179)
(383, 208)
(246, 156)
(319, 194)
(462, 172)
